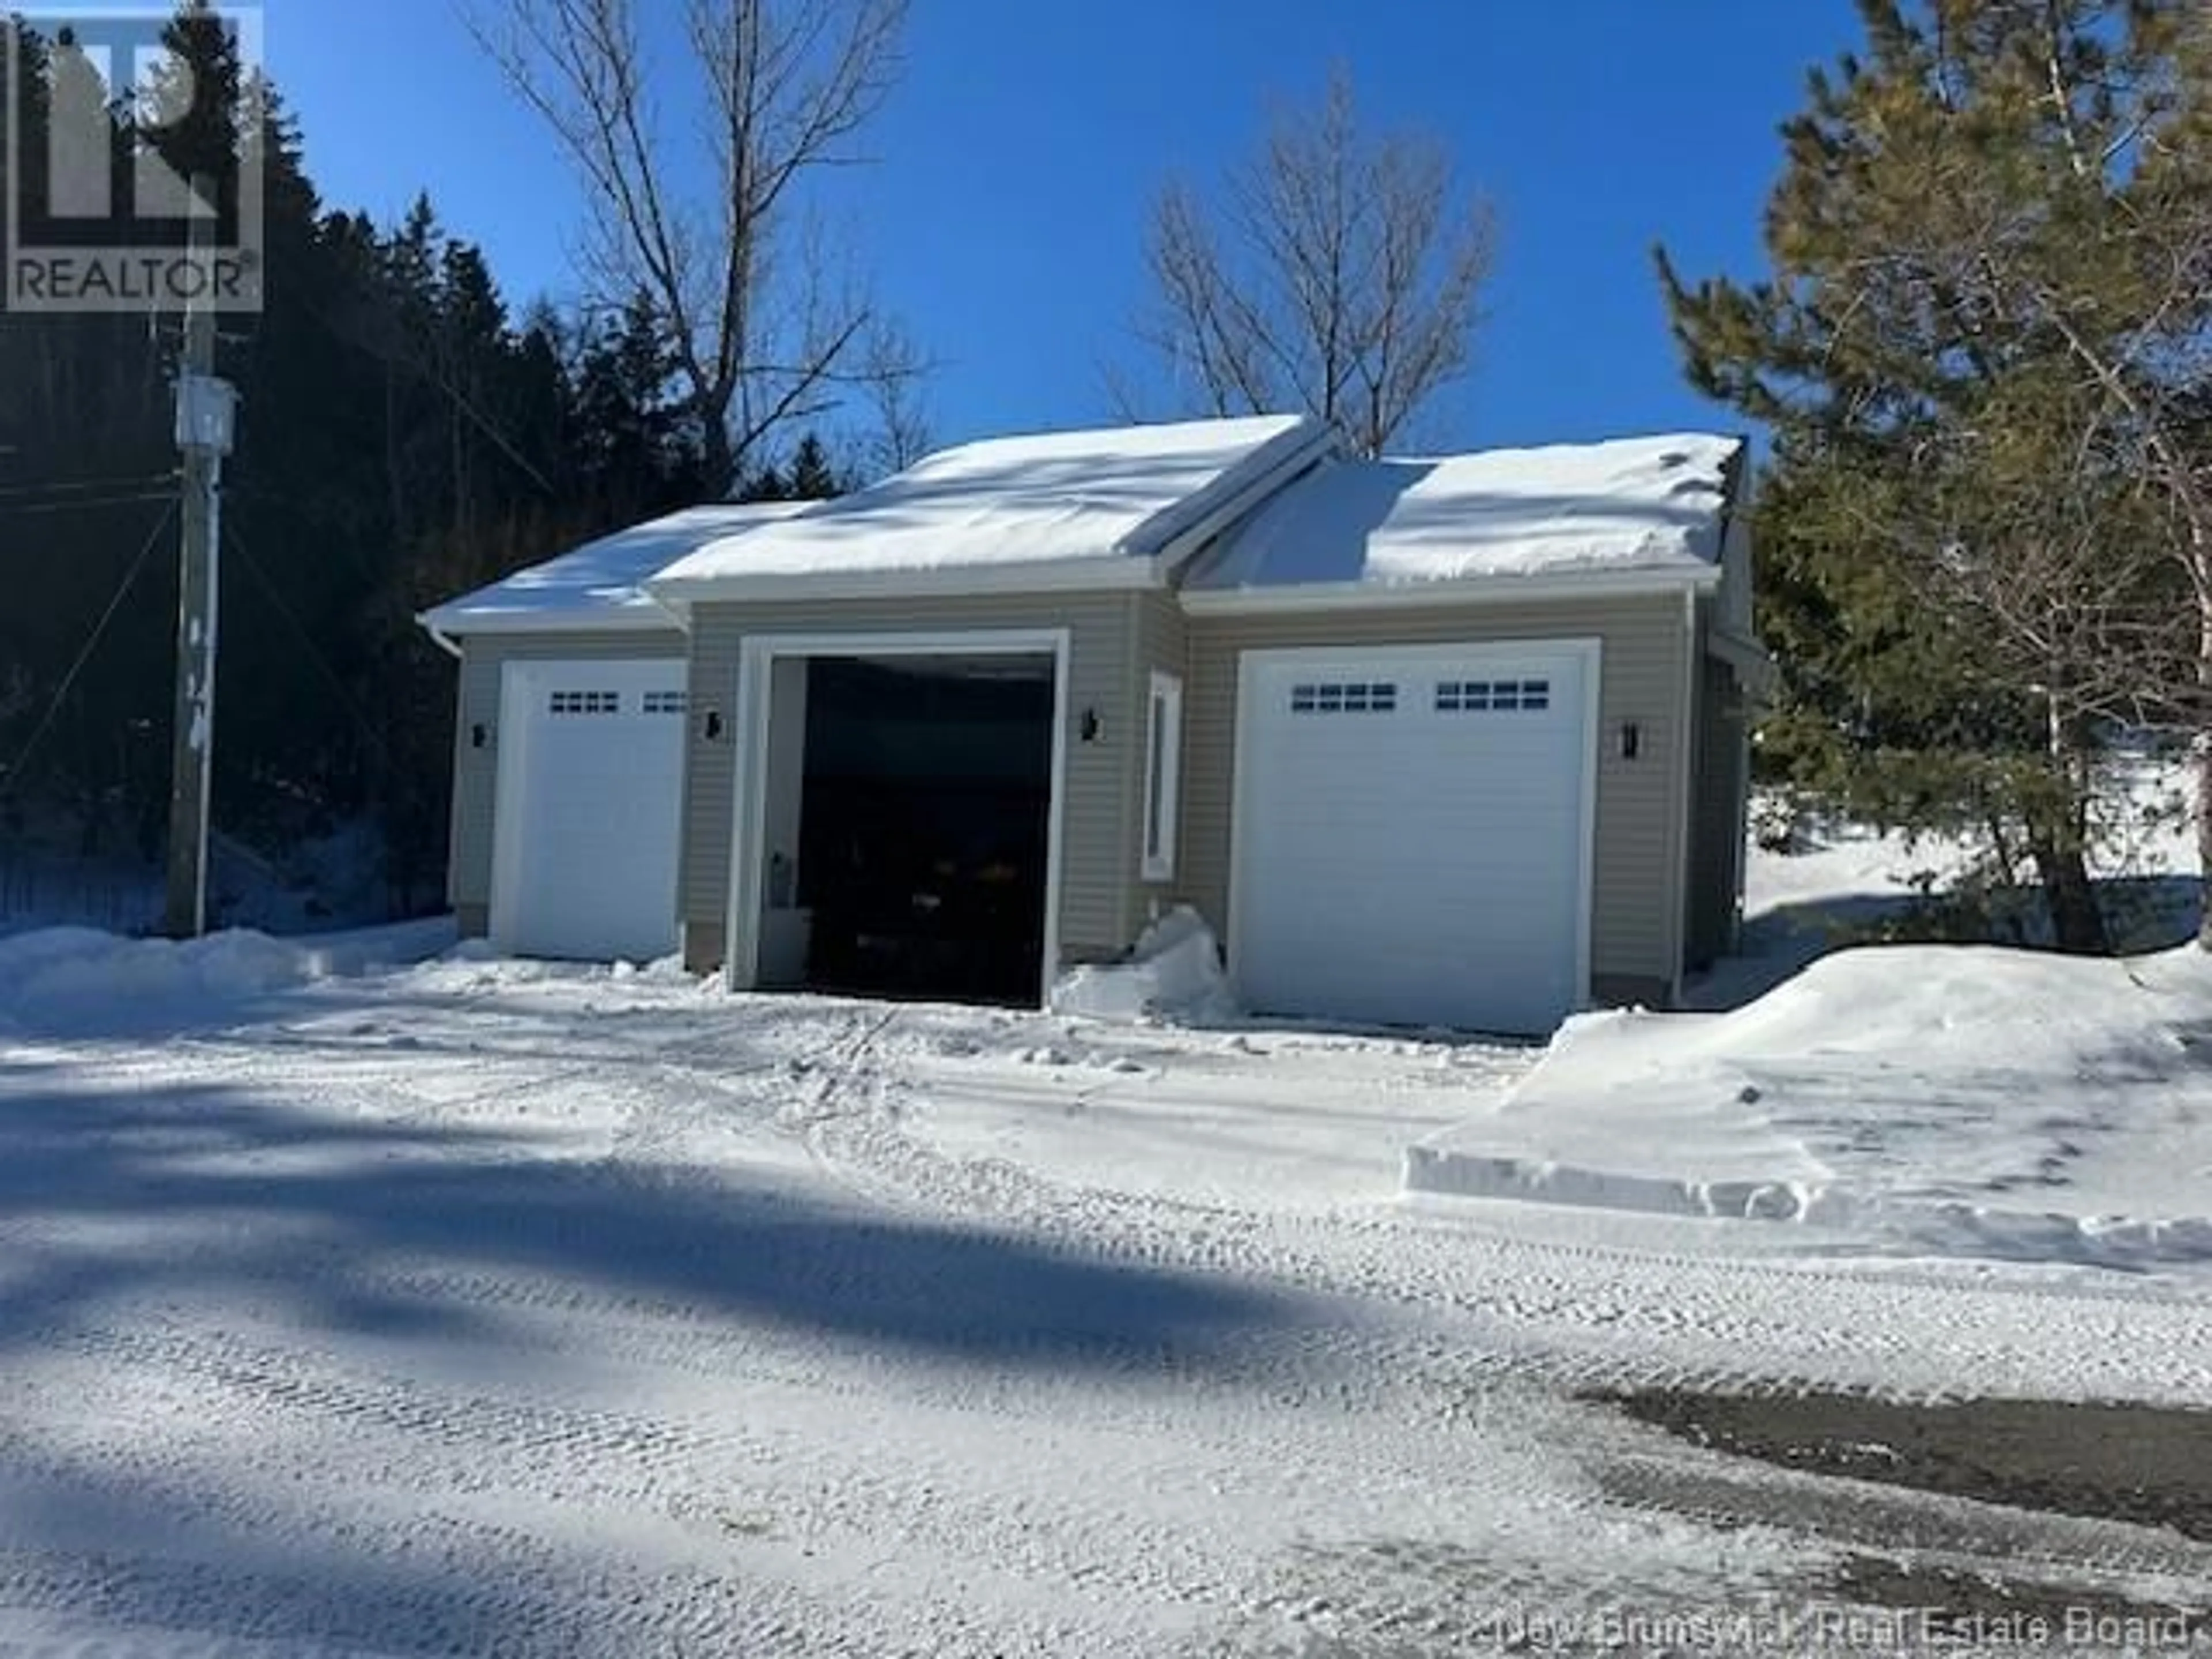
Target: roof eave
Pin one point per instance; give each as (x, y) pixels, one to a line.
(1108, 573)
(447, 623)
(1470, 590)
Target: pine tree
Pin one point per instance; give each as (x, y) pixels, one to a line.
(1959, 565)
(812, 476)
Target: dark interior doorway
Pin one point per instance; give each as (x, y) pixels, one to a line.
(925, 826)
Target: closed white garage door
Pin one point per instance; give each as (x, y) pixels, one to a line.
(591, 785)
(1412, 835)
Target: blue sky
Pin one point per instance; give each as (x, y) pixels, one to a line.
(1003, 218)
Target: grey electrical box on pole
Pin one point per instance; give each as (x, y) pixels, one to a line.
(206, 418)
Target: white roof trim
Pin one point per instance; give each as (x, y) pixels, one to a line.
(1118, 574)
(625, 619)
(1477, 590)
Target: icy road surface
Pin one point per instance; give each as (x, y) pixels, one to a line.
(472, 1308)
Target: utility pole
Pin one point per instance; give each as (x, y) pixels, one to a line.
(205, 418)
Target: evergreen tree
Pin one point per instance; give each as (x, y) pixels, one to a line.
(812, 476)
(1959, 565)
(402, 437)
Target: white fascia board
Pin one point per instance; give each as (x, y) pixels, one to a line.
(1112, 573)
(627, 619)
(1479, 590)
(428, 622)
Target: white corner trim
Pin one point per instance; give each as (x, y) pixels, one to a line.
(517, 681)
(1474, 590)
(1685, 783)
(1163, 688)
(750, 728)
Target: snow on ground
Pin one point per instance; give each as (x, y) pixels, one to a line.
(473, 1306)
(1964, 1101)
(1956, 1098)
(497, 1308)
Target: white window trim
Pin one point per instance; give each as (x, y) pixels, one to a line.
(1162, 773)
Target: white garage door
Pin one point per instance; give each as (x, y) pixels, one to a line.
(589, 801)
(1413, 836)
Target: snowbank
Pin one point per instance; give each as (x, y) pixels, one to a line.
(1173, 974)
(1970, 1101)
(58, 969)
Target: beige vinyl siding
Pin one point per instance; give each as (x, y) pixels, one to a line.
(1638, 902)
(1098, 863)
(475, 771)
(1158, 642)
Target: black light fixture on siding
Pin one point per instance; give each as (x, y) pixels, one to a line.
(479, 736)
(712, 726)
(1093, 726)
(1631, 740)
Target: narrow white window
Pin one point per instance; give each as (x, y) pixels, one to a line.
(1163, 776)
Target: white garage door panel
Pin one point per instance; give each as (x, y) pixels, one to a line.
(1411, 836)
(590, 807)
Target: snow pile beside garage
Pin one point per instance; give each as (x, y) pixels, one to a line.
(1951, 1100)
(1174, 974)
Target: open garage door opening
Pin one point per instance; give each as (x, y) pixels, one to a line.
(907, 844)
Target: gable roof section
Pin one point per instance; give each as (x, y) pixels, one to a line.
(1643, 509)
(1064, 509)
(600, 585)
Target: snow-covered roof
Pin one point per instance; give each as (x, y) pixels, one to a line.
(600, 583)
(1011, 505)
(1630, 504)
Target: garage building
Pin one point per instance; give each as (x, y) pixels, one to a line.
(1455, 742)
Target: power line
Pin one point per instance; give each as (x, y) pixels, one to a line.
(70, 486)
(14, 772)
(90, 504)
(345, 692)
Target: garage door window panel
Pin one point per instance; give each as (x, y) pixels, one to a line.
(1345, 697)
(1493, 696)
(587, 702)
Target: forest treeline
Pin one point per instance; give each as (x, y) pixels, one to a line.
(407, 432)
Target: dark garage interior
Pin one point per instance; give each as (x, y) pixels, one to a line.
(924, 827)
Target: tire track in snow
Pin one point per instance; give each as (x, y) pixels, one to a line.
(1568, 1312)
(390, 1432)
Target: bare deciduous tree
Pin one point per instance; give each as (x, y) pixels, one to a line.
(1339, 272)
(894, 370)
(763, 334)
